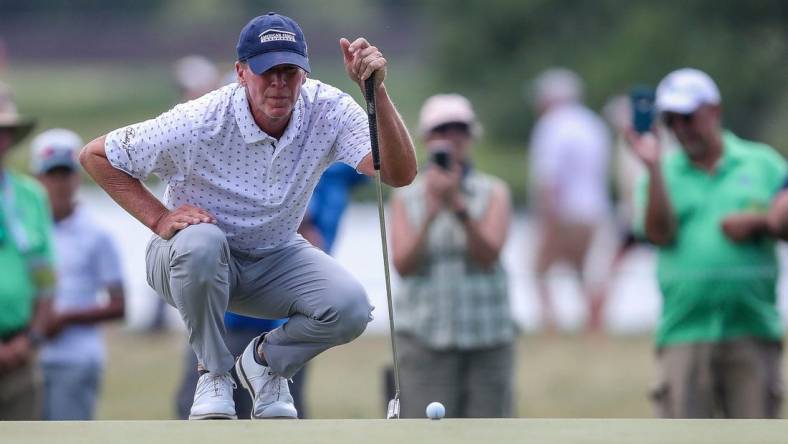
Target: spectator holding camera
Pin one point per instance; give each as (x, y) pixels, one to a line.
(719, 340)
(455, 330)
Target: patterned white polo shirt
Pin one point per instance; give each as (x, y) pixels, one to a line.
(212, 155)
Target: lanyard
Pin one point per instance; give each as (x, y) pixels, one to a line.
(13, 217)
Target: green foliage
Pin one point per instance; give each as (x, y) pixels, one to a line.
(490, 50)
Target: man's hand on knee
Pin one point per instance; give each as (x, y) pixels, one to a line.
(175, 220)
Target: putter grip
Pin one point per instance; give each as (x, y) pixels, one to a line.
(369, 94)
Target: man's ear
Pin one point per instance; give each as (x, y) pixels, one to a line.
(239, 72)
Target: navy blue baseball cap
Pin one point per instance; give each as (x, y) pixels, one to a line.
(270, 40)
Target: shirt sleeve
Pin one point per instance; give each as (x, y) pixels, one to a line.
(778, 171)
(353, 142)
(107, 262)
(547, 153)
(157, 146)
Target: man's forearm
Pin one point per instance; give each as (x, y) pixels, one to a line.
(407, 262)
(398, 157)
(114, 310)
(42, 313)
(482, 250)
(128, 192)
(660, 224)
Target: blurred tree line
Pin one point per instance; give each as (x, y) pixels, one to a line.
(491, 49)
(488, 50)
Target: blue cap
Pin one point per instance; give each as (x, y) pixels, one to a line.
(270, 40)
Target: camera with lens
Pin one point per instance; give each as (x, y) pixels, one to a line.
(440, 155)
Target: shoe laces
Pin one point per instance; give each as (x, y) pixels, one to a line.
(215, 384)
(274, 384)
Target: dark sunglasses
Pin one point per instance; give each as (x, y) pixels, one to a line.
(460, 127)
(670, 118)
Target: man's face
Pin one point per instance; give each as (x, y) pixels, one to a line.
(695, 131)
(61, 184)
(455, 134)
(272, 94)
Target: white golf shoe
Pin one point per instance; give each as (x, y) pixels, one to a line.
(270, 393)
(213, 397)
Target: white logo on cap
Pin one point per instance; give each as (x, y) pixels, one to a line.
(276, 35)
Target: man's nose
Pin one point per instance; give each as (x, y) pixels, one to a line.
(277, 78)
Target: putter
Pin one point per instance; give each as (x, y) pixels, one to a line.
(369, 91)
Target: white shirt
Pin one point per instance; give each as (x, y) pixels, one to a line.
(570, 149)
(87, 263)
(212, 155)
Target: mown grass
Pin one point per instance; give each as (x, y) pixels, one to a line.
(557, 376)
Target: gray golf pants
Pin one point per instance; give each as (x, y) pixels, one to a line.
(196, 272)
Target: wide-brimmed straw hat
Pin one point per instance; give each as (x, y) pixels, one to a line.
(10, 118)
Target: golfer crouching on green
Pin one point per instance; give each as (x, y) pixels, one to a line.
(240, 164)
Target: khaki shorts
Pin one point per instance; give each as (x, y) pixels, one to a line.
(564, 242)
(20, 393)
(740, 378)
(476, 383)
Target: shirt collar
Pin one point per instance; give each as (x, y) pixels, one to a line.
(71, 220)
(294, 126)
(731, 155)
(251, 132)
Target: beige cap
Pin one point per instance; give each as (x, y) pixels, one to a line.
(10, 118)
(441, 109)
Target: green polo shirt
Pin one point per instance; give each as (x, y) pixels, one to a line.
(712, 288)
(26, 250)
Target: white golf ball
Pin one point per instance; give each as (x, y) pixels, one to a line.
(435, 410)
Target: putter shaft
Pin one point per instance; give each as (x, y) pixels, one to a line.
(369, 93)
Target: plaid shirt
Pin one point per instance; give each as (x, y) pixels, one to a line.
(450, 302)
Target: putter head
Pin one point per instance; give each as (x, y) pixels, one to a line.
(393, 410)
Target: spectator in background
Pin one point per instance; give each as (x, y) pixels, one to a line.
(328, 204)
(704, 206)
(196, 76)
(569, 159)
(87, 264)
(455, 330)
(28, 276)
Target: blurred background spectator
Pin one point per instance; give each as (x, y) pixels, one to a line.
(87, 264)
(28, 276)
(719, 341)
(570, 151)
(455, 330)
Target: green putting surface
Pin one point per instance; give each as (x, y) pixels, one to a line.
(476, 431)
